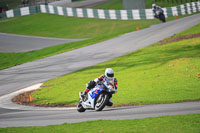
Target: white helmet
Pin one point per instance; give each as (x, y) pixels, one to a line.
(109, 73)
(153, 5)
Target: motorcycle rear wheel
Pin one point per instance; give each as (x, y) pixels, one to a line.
(101, 101)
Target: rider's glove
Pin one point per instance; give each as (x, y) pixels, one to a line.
(99, 82)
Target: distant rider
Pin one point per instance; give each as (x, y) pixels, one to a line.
(156, 8)
(108, 76)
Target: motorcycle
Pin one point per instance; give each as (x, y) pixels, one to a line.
(160, 15)
(97, 98)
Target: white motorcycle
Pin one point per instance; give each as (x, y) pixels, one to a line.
(97, 98)
(160, 15)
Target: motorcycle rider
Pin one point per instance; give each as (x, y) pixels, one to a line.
(156, 8)
(108, 76)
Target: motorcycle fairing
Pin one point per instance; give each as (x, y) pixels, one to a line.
(92, 94)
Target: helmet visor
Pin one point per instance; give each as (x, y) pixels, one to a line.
(110, 75)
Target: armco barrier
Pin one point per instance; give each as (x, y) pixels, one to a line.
(187, 8)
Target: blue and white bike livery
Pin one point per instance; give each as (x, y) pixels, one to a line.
(97, 98)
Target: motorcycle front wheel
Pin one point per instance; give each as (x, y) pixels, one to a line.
(101, 101)
(80, 107)
(162, 18)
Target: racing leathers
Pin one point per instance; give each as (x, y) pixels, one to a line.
(98, 81)
(157, 8)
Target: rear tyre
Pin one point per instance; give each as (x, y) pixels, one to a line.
(80, 107)
(101, 101)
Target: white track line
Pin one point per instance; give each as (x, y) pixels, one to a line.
(5, 101)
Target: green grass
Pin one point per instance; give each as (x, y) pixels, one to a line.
(155, 74)
(193, 30)
(172, 124)
(118, 4)
(47, 25)
(166, 4)
(113, 4)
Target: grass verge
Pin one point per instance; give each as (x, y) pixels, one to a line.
(47, 25)
(118, 4)
(168, 3)
(177, 124)
(193, 30)
(155, 74)
(113, 4)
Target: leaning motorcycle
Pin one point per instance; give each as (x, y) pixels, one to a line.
(97, 98)
(160, 15)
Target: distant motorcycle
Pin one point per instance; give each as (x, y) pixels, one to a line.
(97, 98)
(160, 15)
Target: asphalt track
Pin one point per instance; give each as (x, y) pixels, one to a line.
(27, 74)
(21, 43)
(44, 118)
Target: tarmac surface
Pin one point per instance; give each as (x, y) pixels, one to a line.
(21, 43)
(18, 77)
(43, 118)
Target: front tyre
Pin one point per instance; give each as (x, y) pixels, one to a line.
(80, 107)
(101, 101)
(162, 18)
